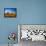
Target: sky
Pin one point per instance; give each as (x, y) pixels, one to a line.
(10, 10)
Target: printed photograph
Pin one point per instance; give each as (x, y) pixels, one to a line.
(10, 12)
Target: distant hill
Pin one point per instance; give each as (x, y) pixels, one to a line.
(10, 14)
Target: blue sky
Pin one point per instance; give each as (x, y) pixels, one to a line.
(11, 10)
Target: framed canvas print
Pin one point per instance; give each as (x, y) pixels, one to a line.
(10, 12)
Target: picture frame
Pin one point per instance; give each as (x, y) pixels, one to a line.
(10, 12)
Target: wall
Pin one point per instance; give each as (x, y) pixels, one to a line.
(28, 12)
(7, 25)
(33, 11)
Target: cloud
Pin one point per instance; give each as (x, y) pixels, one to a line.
(9, 11)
